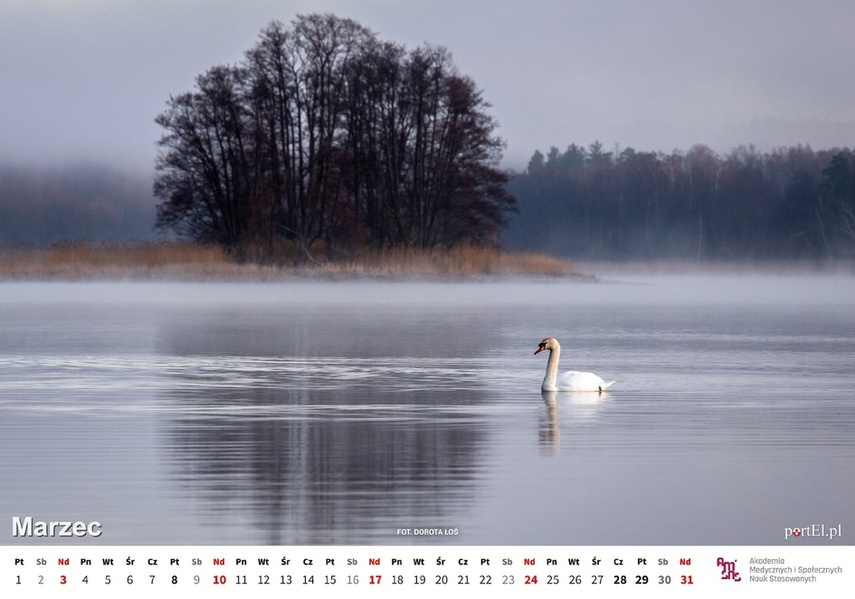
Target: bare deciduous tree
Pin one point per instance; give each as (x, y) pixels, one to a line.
(325, 132)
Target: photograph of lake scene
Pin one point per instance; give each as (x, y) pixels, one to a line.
(326, 273)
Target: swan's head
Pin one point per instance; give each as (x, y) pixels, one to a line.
(549, 343)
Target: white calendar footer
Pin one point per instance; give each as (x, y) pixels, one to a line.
(384, 571)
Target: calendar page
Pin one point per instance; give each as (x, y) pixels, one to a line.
(401, 298)
(373, 438)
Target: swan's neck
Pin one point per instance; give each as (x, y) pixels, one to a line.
(551, 371)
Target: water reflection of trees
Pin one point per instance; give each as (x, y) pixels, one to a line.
(307, 458)
(334, 476)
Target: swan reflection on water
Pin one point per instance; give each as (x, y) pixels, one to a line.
(581, 405)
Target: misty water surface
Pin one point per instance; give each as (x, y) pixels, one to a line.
(339, 412)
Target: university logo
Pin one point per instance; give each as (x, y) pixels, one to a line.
(728, 570)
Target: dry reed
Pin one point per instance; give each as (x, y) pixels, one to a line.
(177, 260)
(457, 262)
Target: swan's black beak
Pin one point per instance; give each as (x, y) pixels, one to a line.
(540, 348)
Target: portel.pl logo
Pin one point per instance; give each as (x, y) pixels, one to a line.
(814, 530)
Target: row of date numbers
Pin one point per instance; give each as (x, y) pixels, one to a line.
(396, 579)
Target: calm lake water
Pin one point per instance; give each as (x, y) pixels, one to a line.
(339, 412)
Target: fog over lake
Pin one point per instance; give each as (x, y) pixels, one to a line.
(329, 412)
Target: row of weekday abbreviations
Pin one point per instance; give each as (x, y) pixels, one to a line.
(351, 561)
(331, 562)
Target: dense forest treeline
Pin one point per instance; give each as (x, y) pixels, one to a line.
(44, 205)
(325, 133)
(589, 203)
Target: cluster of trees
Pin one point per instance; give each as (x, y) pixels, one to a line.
(326, 133)
(792, 203)
(41, 205)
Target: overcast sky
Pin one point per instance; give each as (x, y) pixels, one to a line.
(82, 80)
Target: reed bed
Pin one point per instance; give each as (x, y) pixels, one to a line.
(456, 262)
(178, 260)
(122, 261)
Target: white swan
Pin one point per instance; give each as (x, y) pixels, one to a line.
(567, 381)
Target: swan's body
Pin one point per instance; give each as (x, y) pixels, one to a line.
(567, 381)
